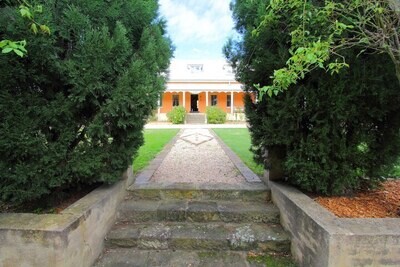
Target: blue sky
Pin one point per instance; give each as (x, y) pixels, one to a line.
(198, 28)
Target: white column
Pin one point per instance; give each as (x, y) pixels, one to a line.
(206, 105)
(184, 100)
(231, 102)
(159, 107)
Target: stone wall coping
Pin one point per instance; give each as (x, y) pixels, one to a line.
(334, 224)
(55, 222)
(73, 236)
(319, 238)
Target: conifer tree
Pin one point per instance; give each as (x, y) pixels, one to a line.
(330, 134)
(73, 109)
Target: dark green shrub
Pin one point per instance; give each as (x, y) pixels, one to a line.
(215, 115)
(334, 133)
(73, 110)
(177, 115)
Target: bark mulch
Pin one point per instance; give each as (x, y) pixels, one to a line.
(383, 202)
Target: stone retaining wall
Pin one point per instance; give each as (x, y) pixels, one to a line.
(72, 238)
(320, 239)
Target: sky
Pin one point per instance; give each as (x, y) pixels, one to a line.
(198, 28)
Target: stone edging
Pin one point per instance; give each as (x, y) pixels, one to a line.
(69, 239)
(320, 239)
(248, 174)
(145, 175)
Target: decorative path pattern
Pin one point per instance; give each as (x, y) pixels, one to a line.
(197, 157)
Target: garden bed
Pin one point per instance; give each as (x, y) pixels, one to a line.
(53, 203)
(74, 237)
(319, 238)
(383, 202)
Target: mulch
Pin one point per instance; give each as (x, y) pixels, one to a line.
(383, 202)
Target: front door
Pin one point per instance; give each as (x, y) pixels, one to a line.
(194, 102)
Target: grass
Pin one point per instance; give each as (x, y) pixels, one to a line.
(154, 142)
(275, 260)
(239, 141)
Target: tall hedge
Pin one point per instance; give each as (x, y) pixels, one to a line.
(333, 134)
(73, 110)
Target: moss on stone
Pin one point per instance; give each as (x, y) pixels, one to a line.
(272, 260)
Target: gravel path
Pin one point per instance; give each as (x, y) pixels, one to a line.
(197, 157)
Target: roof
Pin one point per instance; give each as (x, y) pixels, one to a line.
(200, 76)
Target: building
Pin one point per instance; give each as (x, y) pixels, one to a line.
(197, 85)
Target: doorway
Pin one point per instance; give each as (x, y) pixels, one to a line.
(194, 103)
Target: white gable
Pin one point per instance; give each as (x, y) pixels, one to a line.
(200, 76)
(208, 70)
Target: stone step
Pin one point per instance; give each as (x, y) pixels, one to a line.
(174, 258)
(197, 211)
(197, 118)
(199, 236)
(254, 192)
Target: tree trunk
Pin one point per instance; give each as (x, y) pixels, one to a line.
(274, 158)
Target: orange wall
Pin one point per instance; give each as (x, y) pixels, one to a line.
(187, 107)
(221, 101)
(202, 102)
(166, 103)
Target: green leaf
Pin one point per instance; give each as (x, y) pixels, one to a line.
(39, 9)
(7, 50)
(45, 29)
(21, 48)
(18, 52)
(25, 12)
(34, 28)
(3, 43)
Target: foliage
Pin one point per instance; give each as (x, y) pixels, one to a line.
(177, 115)
(335, 132)
(321, 30)
(28, 12)
(239, 141)
(73, 110)
(8, 46)
(392, 171)
(154, 142)
(215, 115)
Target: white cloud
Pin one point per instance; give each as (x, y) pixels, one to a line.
(205, 21)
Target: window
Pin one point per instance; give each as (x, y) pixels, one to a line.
(195, 68)
(213, 100)
(175, 100)
(228, 101)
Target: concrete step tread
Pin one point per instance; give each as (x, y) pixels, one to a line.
(198, 211)
(208, 236)
(201, 186)
(254, 192)
(173, 258)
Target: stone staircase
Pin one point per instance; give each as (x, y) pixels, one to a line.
(194, 225)
(195, 118)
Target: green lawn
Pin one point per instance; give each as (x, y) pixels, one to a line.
(154, 141)
(239, 141)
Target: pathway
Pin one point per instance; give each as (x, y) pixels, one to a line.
(196, 204)
(190, 161)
